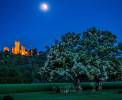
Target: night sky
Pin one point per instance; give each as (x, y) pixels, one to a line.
(23, 20)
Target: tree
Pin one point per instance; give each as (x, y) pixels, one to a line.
(34, 51)
(93, 54)
(102, 48)
(60, 58)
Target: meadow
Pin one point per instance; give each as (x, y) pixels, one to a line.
(47, 91)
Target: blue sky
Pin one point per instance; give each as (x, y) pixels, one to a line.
(22, 20)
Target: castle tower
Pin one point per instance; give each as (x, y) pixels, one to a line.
(16, 49)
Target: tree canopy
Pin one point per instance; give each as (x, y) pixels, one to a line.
(96, 52)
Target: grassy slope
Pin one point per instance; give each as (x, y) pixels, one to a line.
(71, 96)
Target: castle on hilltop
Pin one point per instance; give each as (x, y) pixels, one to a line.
(19, 49)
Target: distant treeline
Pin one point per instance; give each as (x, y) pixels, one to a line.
(20, 69)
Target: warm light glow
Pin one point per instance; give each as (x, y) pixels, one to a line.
(6, 49)
(44, 6)
(18, 49)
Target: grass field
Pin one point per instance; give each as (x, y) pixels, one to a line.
(21, 88)
(44, 92)
(85, 95)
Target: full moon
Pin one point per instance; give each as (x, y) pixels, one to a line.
(44, 6)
